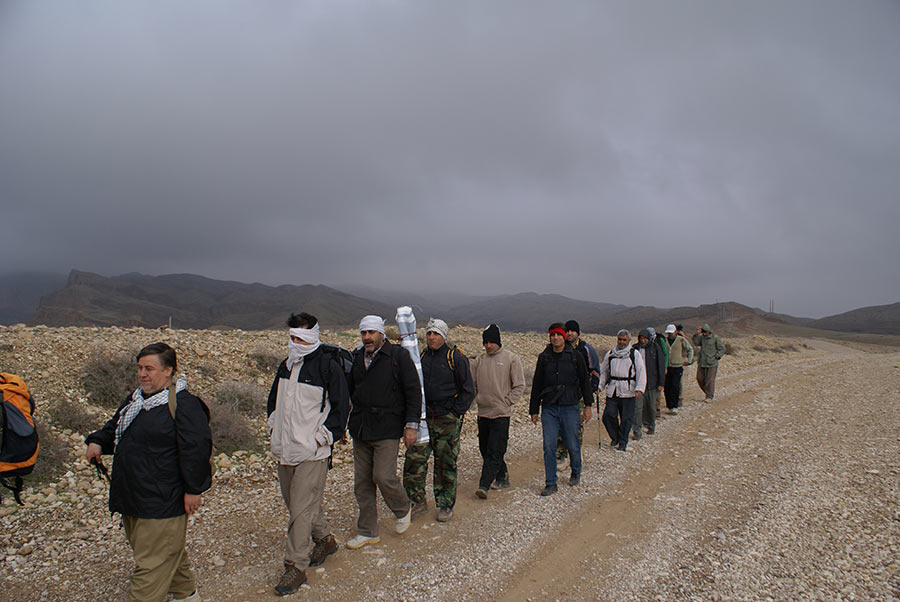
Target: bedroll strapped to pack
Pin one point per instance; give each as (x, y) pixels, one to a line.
(18, 436)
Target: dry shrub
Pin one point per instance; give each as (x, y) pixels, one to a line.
(760, 348)
(208, 369)
(246, 398)
(231, 431)
(109, 377)
(53, 456)
(264, 359)
(731, 349)
(72, 415)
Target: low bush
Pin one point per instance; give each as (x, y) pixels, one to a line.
(731, 349)
(109, 377)
(53, 456)
(264, 359)
(74, 416)
(246, 398)
(231, 430)
(208, 369)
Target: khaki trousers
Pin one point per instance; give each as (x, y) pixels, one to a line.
(375, 465)
(706, 378)
(161, 562)
(302, 487)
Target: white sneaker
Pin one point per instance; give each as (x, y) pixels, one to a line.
(362, 540)
(402, 523)
(195, 597)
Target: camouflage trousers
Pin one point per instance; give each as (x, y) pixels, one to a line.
(561, 452)
(444, 434)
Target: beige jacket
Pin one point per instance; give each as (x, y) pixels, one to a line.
(499, 383)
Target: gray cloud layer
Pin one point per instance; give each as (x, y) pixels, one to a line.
(659, 153)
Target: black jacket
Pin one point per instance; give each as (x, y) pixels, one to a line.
(158, 460)
(312, 372)
(655, 365)
(560, 379)
(447, 391)
(385, 397)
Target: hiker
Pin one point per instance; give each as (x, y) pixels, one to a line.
(561, 381)
(681, 354)
(711, 351)
(592, 361)
(307, 412)
(161, 468)
(623, 378)
(387, 401)
(499, 383)
(663, 345)
(449, 391)
(655, 368)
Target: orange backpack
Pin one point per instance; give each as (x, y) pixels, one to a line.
(18, 437)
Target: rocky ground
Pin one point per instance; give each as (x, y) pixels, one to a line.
(785, 487)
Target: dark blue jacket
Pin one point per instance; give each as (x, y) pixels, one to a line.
(446, 391)
(560, 379)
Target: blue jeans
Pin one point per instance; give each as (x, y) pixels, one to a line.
(559, 420)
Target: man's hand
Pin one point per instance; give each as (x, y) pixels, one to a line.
(344, 438)
(92, 452)
(638, 394)
(587, 413)
(660, 389)
(685, 363)
(192, 502)
(534, 418)
(410, 436)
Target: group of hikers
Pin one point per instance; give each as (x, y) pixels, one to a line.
(162, 444)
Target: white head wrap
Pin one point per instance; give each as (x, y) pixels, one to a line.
(438, 326)
(371, 322)
(297, 351)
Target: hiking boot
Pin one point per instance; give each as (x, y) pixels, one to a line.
(444, 514)
(614, 444)
(402, 523)
(636, 435)
(322, 549)
(419, 508)
(548, 490)
(362, 540)
(481, 492)
(500, 484)
(622, 447)
(673, 411)
(195, 597)
(651, 430)
(290, 581)
(562, 463)
(658, 413)
(575, 479)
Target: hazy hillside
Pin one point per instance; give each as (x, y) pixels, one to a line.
(531, 311)
(193, 302)
(21, 292)
(878, 319)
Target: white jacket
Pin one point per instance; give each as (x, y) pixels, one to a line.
(297, 426)
(621, 367)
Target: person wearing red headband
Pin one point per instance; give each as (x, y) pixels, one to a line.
(561, 381)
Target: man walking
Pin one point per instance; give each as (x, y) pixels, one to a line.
(561, 381)
(655, 367)
(681, 354)
(623, 378)
(711, 351)
(161, 443)
(307, 411)
(592, 361)
(499, 383)
(387, 401)
(449, 391)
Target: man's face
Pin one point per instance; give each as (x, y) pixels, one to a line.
(622, 341)
(299, 341)
(371, 340)
(572, 336)
(671, 336)
(433, 340)
(643, 340)
(491, 347)
(557, 341)
(152, 376)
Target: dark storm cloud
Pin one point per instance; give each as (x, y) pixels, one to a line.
(642, 153)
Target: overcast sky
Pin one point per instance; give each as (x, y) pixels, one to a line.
(647, 153)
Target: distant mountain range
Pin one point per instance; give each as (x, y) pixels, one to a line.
(86, 299)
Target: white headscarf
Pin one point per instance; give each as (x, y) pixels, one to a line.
(372, 322)
(297, 351)
(439, 326)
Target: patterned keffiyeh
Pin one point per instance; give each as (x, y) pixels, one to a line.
(138, 403)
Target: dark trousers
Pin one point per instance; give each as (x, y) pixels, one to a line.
(617, 418)
(706, 378)
(493, 435)
(673, 387)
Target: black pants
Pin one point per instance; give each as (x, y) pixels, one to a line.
(617, 418)
(673, 387)
(493, 435)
